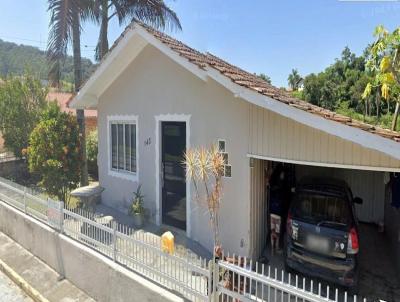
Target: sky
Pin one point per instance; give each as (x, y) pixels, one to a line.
(261, 36)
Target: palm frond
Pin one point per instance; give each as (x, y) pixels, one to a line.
(90, 10)
(62, 16)
(151, 12)
(61, 19)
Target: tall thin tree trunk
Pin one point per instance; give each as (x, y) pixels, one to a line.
(396, 114)
(378, 104)
(365, 110)
(103, 39)
(80, 114)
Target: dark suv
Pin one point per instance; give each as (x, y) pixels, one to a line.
(322, 231)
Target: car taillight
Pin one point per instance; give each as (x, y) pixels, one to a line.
(352, 243)
(289, 229)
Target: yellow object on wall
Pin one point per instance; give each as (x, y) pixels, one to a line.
(168, 242)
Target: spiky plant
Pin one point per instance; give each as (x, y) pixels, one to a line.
(204, 167)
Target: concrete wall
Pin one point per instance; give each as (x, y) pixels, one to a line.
(155, 85)
(90, 124)
(13, 168)
(98, 276)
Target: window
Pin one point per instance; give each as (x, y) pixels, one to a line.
(222, 150)
(316, 208)
(123, 146)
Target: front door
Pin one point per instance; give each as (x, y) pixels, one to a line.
(173, 174)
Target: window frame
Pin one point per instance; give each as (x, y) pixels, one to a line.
(117, 172)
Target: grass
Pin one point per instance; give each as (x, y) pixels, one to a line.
(384, 121)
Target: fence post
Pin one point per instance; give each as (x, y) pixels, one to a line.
(114, 225)
(215, 279)
(210, 281)
(25, 200)
(61, 211)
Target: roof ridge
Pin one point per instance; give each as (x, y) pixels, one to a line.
(251, 81)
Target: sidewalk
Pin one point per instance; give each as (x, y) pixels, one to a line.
(10, 292)
(39, 275)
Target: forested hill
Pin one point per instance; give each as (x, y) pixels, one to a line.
(15, 59)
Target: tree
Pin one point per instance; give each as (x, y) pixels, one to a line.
(22, 99)
(65, 27)
(53, 152)
(152, 12)
(265, 77)
(15, 58)
(205, 167)
(92, 149)
(384, 61)
(295, 80)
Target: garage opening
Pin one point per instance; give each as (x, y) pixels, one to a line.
(273, 193)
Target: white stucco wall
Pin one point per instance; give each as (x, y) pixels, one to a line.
(154, 85)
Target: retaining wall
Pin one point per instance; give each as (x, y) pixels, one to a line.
(95, 274)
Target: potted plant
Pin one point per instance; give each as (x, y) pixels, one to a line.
(136, 209)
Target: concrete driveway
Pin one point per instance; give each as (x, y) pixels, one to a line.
(378, 277)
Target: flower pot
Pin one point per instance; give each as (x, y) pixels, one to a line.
(138, 220)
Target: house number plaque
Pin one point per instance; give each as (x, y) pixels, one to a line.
(147, 142)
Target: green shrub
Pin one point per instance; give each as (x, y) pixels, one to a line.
(91, 153)
(53, 152)
(22, 100)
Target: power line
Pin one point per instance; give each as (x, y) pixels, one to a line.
(40, 42)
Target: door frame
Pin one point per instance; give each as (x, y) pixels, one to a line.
(171, 118)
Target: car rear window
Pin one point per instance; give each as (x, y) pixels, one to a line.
(316, 208)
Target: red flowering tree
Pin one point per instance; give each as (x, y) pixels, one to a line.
(53, 152)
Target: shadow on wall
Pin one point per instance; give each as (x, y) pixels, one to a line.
(392, 226)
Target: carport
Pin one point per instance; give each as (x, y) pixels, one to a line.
(364, 160)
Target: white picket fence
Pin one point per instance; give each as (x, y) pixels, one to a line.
(232, 278)
(185, 273)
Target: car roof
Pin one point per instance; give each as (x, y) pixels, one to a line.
(323, 185)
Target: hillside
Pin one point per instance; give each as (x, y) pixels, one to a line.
(15, 59)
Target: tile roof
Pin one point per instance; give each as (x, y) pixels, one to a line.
(63, 99)
(253, 82)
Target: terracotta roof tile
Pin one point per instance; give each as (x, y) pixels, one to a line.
(63, 99)
(253, 82)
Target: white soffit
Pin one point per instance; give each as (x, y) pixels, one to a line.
(119, 59)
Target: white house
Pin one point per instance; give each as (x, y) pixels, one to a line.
(156, 97)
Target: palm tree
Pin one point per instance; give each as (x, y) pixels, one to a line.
(65, 28)
(294, 80)
(264, 77)
(152, 12)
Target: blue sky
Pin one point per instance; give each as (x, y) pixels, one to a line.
(269, 36)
